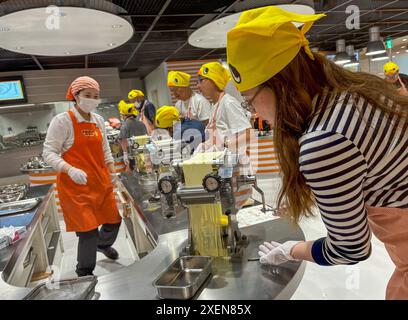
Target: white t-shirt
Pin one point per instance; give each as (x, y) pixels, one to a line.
(200, 107)
(230, 117)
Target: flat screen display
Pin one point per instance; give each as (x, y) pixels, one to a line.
(12, 90)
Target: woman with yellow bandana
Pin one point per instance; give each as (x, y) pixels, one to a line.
(228, 117)
(341, 139)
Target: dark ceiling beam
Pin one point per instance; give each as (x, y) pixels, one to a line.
(86, 61)
(168, 30)
(216, 17)
(164, 7)
(367, 26)
(361, 15)
(37, 62)
(208, 53)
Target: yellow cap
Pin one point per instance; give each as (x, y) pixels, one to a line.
(391, 68)
(127, 108)
(178, 79)
(216, 72)
(264, 42)
(166, 116)
(135, 93)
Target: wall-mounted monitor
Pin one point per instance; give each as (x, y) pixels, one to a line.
(12, 90)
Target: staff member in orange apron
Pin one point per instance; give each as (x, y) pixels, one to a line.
(341, 139)
(77, 148)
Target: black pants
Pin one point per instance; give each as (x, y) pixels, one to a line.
(89, 242)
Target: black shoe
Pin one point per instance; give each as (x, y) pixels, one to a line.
(109, 253)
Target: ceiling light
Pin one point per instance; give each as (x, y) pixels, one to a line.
(397, 52)
(353, 60)
(404, 40)
(379, 57)
(218, 29)
(375, 46)
(102, 32)
(341, 55)
(393, 56)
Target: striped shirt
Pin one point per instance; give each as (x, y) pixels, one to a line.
(352, 155)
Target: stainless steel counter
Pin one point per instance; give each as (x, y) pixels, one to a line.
(9, 255)
(235, 280)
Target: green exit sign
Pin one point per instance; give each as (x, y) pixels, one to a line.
(388, 43)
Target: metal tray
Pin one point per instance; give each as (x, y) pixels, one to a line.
(15, 207)
(72, 289)
(182, 279)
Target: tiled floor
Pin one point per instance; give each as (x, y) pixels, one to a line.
(367, 280)
(103, 265)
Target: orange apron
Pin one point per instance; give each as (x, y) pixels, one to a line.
(390, 225)
(86, 207)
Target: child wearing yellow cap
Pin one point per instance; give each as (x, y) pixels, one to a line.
(392, 75)
(227, 117)
(146, 109)
(190, 104)
(130, 127)
(336, 143)
(188, 130)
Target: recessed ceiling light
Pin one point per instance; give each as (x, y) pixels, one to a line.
(404, 40)
(67, 53)
(406, 50)
(402, 47)
(397, 52)
(393, 56)
(4, 29)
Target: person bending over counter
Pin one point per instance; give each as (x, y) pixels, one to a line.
(189, 130)
(228, 117)
(77, 148)
(341, 139)
(191, 105)
(146, 109)
(130, 127)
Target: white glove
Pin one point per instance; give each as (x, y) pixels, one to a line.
(77, 175)
(276, 253)
(126, 158)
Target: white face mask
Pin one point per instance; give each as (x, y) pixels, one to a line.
(87, 105)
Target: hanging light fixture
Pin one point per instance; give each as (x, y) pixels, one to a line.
(375, 46)
(341, 54)
(379, 57)
(354, 62)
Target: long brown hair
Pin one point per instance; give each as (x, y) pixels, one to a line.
(295, 87)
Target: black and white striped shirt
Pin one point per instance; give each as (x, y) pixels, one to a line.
(352, 155)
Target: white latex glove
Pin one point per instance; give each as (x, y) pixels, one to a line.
(126, 158)
(77, 175)
(276, 253)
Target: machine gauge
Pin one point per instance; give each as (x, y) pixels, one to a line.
(167, 185)
(136, 145)
(212, 182)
